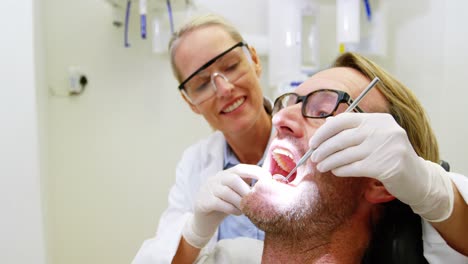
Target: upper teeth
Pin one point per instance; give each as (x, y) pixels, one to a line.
(280, 155)
(234, 105)
(283, 152)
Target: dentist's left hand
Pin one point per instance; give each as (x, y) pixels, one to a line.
(218, 197)
(374, 145)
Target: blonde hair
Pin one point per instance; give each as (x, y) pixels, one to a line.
(196, 23)
(403, 104)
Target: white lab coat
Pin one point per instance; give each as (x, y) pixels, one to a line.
(436, 249)
(199, 161)
(205, 159)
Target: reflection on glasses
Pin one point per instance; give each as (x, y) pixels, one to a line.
(317, 104)
(230, 65)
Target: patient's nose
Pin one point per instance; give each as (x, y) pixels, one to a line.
(289, 121)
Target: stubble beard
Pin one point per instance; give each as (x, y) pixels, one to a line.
(317, 210)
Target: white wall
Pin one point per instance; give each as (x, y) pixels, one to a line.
(427, 53)
(452, 126)
(21, 222)
(111, 152)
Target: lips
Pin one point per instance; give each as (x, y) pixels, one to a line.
(282, 163)
(233, 106)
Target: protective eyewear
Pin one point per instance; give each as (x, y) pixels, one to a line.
(230, 65)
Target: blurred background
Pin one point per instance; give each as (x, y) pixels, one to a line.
(92, 128)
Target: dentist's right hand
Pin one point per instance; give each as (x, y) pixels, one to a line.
(218, 197)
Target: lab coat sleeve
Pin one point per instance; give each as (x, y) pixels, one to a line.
(436, 250)
(162, 247)
(190, 174)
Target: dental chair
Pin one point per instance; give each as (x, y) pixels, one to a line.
(398, 238)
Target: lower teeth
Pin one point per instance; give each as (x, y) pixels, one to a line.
(280, 178)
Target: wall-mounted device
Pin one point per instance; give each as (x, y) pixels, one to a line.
(77, 81)
(294, 42)
(361, 26)
(159, 14)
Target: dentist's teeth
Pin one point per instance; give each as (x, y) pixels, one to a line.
(284, 159)
(234, 106)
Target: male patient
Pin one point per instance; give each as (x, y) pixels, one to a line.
(341, 206)
(318, 217)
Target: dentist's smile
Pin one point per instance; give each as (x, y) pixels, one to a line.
(233, 106)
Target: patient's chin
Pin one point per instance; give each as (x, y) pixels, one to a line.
(272, 206)
(316, 206)
(262, 212)
(269, 197)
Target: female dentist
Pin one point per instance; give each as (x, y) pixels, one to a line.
(219, 76)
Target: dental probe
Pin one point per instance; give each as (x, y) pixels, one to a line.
(349, 109)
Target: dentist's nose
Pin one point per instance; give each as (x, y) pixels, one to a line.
(221, 84)
(289, 121)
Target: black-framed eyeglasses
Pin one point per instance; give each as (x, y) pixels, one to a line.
(317, 104)
(206, 65)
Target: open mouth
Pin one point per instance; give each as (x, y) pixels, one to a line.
(283, 163)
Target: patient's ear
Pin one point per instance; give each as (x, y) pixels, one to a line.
(377, 193)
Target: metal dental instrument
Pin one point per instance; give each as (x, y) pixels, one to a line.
(349, 109)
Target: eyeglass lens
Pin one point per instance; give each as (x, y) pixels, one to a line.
(318, 104)
(321, 104)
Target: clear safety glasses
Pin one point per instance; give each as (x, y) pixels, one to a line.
(230, 65)
(317, 104)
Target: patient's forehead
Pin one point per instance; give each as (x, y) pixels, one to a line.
(344, 79)
(348, 80)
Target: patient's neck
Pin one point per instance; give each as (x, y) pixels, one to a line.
(346, 245)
